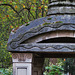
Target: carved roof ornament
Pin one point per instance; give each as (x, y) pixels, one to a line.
(61, 17)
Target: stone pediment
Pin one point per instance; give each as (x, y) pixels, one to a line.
(40, 26)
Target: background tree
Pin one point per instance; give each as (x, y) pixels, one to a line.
(14, 13)
(69, 66)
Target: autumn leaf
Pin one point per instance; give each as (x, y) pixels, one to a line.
(7, 15)
(64, 59)
(3, 17)
(11, 26)
(23, 6)
(11, 19)
(16, 6)
(46, 6)
(39, 7)
(14, 30)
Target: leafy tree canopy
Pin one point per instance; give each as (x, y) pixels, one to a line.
(14, 13)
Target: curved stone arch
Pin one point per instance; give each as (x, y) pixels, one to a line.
(50, 35)
(37, 28)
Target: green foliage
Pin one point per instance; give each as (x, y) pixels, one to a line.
(4, 71)
(53, 69)
(46, 23)
(5, 56)
(49, 18)
(14, 13)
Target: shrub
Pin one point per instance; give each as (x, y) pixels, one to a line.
(53, 70)
(4, 71)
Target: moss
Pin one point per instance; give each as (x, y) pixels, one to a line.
(49, 18)
(46, 23)
(59, 22)
(27, 24)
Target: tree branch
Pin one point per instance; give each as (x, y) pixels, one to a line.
(13, 9)
(28, 10)
(18, 13)
(10, 6)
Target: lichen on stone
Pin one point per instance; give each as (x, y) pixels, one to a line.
(49, 18)
(27, 24)
(59, 22)
(46, 23)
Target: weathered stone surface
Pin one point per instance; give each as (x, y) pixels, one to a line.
(28, 55)
(22, 57)
(22, 63)
(27, 64)
(61, 7)
(51, 35)
(22, 68)
(62, 0)
(43, 25)
(46, 47)
(55, 22)
(40, 26)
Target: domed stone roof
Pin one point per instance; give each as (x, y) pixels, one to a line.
(61, 16)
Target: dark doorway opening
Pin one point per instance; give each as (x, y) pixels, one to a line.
(67, 59)
(59, 40)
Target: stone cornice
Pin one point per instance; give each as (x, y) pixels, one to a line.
(45, 47)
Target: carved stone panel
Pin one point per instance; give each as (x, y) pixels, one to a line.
(22, 68)
(22, 71)
(22, 57)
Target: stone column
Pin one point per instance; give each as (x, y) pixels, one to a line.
(22, 63)
(27, 64)
(38, 63)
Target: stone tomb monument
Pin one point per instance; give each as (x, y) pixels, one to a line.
(50, 36)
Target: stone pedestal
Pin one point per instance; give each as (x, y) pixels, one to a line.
(27, 64)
